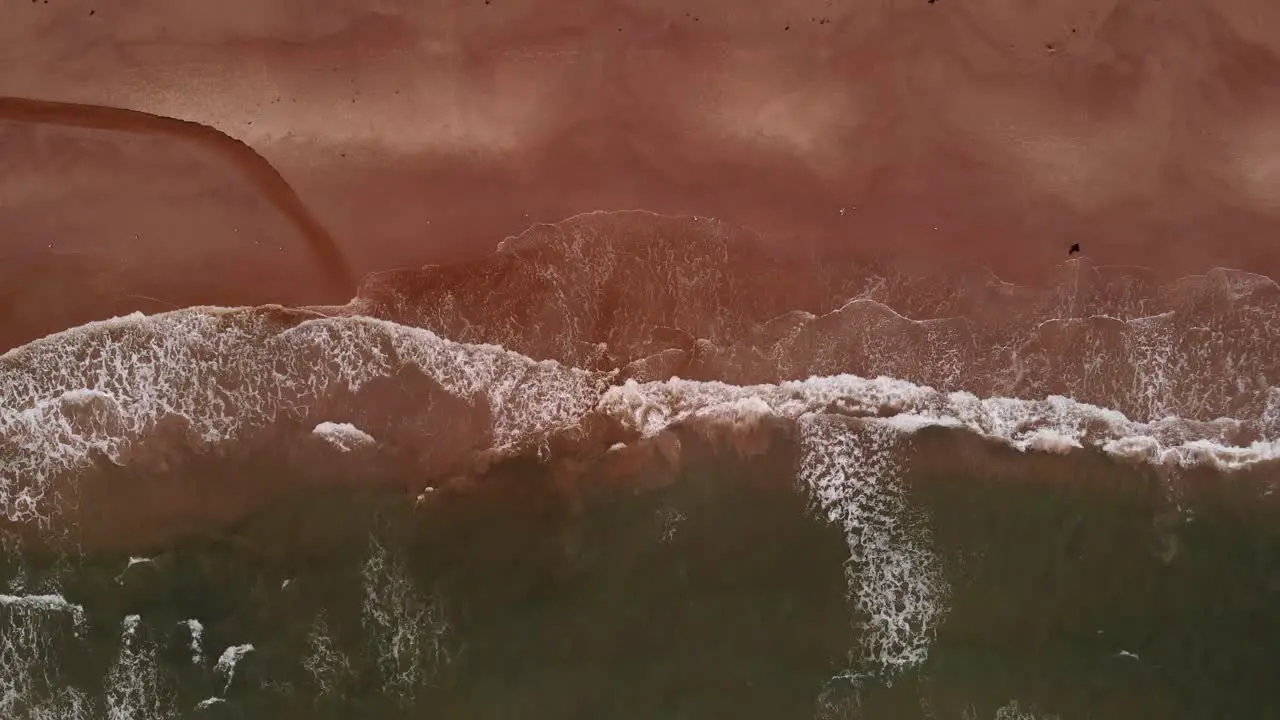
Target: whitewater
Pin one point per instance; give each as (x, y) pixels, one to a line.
(118, 385)
(430, 378)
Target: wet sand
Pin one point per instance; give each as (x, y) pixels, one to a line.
(943, 131)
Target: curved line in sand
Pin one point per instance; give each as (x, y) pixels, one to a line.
(260, 172)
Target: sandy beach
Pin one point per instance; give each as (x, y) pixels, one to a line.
(976, 132)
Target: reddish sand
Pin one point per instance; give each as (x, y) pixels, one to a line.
(993, 130)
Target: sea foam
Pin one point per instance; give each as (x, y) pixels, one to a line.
(110, 390)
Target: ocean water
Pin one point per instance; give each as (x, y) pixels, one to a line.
(634, 466)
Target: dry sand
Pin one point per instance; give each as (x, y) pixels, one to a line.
(990, 130)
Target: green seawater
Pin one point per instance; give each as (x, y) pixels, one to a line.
(1077, 589)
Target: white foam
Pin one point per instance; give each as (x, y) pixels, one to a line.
(895, 578)
(1054, 424)
(1013, 710)
(227, 661)
(30, 666)
(345, 437)
(328, 665)
(47, 603)
(407, 628)
(207, 703)
(106, 387)
(669, 521)
(132, 561)
(854, 473)
(85, 396)
(136, 688)
(196, 629)
(70, 703)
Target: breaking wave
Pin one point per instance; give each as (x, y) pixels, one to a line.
(615, 341)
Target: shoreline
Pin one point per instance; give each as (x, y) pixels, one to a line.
(134, 509)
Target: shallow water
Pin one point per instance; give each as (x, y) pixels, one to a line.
(1073, 588)
(634, 466)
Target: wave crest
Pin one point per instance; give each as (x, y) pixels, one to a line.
(696, 298)
(608, 339)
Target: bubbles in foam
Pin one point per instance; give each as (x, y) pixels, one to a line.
(227, 375)
(668, 520)
(407, 629)
(70, 703)
(227, 661)
(895, 578)
(48, 603)
(132, 562)
(329, 666)
(344, 437)
(31, 627)
(1200, 349)
(832, 707)
(224, 374)
(138, 370)
(1271, 409)
(852, 468)
(1199, 352)
(108, 389)
(196, 629)
(207, 703)
(135, 684)
(626, 287)
(1013, 710)
(596, 287)
(1053, 423)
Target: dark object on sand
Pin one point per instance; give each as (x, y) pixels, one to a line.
(1075, 248)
